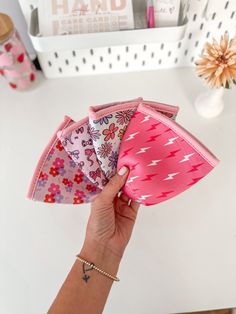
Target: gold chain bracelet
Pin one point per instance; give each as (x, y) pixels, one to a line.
(92, 266)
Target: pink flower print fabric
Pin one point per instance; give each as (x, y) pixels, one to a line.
(108, 124)
(164, 159)
(78, 143)
(57, 178)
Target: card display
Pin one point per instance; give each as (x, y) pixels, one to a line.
(166, 12)
(64, 17)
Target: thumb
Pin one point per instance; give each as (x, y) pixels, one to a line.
(114, 185)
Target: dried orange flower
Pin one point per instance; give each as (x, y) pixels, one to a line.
(218, 62)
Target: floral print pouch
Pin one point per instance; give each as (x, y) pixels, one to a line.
(77, 141)
(108, 124)
(72, 167)
(57, 178)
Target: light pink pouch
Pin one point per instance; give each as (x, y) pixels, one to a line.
(164, 159)
(77, 141)
(57, 179)
(108, 124)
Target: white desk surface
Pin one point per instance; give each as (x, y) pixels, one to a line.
(182, 255)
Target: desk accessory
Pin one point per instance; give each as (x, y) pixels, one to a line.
(150, 14)
(217, 66)
(133, 50)
(15, 64)
(164, 159)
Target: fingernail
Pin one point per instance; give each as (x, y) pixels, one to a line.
(123, 170)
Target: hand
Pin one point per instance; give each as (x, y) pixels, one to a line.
(112, 217)
(108, 232)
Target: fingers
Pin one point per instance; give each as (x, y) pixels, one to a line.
(114, 185)
(134, 205)
(124, 198)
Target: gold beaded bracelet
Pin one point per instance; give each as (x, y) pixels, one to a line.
(92, 266)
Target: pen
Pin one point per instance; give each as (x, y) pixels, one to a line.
(150, 14)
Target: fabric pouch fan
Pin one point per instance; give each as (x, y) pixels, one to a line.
(77, 141)
(108, 124)
(57, 178)
(164, 159)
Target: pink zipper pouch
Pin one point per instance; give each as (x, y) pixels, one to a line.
(58, 178)
(77, 142)
(164, 159)
(108, 124)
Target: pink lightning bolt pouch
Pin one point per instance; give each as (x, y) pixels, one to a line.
(57, 177)
(164, 159)
(108, 124)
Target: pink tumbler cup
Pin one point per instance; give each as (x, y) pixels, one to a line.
(15, 64)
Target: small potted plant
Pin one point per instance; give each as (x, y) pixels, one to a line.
(217, 65)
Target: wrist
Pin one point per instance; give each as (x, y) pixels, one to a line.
(101, 256)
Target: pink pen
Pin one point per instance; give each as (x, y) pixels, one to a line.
(150, 14)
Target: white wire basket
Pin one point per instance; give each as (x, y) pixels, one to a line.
(133, 50)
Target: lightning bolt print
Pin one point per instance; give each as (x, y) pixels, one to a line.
(194, 181)
(171, 141)
(154, 126)
(144, 197)
(133, 167)
(153, 138)
(126, 152)
(147, 118)
(132, 136)
(173, 153)
(164, 194)
(154, 163)
(186, 157)
(131, 180)
(143, 150)
(135, 114)
(171, 176)
(149, 177)
(195, 168)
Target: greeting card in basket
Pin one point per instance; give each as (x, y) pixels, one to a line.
(166, 12)
(62, 17)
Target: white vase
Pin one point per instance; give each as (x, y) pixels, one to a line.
(210, 104)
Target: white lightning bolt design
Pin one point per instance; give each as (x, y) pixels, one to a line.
(132, 136)
(187, 157)
(154, 162)
(171, 141)
(144, 197)
(143, 150)
(132, 179)
(147, 118)
(171, 176)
